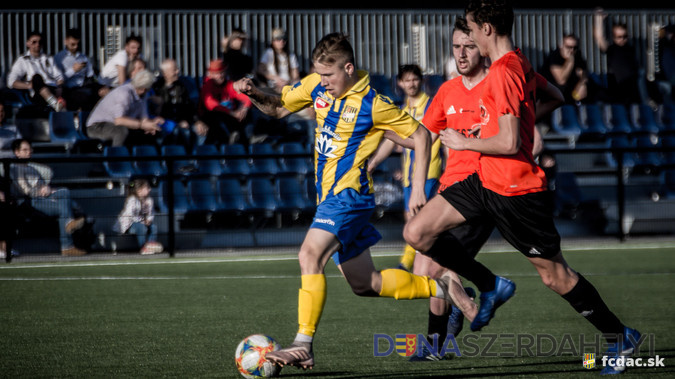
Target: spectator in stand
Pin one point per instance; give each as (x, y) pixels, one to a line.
(80, 88)
(123, 111)
(224, 110)
(114, 72)
(625, 77)
(137, 217)
(666, 74)
(31, 184)
(567, 69)
(278, 66)
(36, 73)
(135, 66)
(237, 62)
(170, 99)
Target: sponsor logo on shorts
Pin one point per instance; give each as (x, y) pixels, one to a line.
(534, 251)
(325, 221)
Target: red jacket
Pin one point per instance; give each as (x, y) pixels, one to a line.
(222, 98)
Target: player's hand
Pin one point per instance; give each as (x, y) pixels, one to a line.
(453, 139)
(417, 201)
(244, 85)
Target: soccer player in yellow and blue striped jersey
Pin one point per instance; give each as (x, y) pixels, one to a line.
(351, 121)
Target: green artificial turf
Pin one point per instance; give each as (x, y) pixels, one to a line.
(183, 318)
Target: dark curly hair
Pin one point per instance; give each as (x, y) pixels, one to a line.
(498, 13)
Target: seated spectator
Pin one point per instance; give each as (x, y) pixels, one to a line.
(124, 110)
(170, 99)
(278, 66)
(567, 69)
(8, 132)
(137, 216)
(135, 66)
(224, 110)
(114, 72)
(36, 73)
(625, 77)
(80, 87)
(31, 185)
(238, 64)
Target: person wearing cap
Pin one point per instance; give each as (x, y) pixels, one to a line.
(237, 62)
(124, 110)
(223, 109)
(278, 65)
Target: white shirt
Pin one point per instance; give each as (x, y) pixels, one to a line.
(65, 60)
(109, 72)
(285, 63)
(28, 66)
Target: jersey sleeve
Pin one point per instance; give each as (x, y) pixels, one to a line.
(510, 92)
(299, 96)
(387, 116)
(434, 118)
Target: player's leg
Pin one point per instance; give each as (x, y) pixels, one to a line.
(314, 253)
(585, 299)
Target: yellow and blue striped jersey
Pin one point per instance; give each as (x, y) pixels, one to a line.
(417, 111)
(349, 129)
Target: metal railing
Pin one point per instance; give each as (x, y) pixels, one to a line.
(382, 39)
(620, 172)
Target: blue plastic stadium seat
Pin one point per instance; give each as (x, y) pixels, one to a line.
(291, 195)
(648, 159)
(593, 128)
(118, 169)
(211, 167)
(62, 128)
(644, 119)
(232, 196)
(261, 196)
(565, 121)
(153, 167)
(236, 162)
(263, 159)
(617, 119)
(180, 166)
(203, 195)
(181, 203)
(621, 141)
(294, 165)
(386, 85)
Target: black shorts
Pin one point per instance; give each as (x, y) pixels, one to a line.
(525, 221)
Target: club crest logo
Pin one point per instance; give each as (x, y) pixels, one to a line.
(589, 360)
(406, 344)
(349, 114)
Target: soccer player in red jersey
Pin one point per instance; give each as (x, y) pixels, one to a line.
(509, 186)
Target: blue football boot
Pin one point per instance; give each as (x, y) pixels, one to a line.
(625, 347)
(426, 356)
(456, 319)
(490, 301)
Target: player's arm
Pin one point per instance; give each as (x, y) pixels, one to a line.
(407, 143)
(505, 142)
(269, 104)
(552, 97)
(384, 149)
(422, 142)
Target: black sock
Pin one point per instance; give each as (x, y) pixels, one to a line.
(438, 324)
(447, 252)
(586, 300)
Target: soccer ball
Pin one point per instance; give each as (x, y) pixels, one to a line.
(250, 356)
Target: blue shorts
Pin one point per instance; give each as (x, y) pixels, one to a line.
(347, 216)
(430, 188)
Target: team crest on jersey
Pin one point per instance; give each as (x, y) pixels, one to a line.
(324, 145)
(349, 114)
(322, 101)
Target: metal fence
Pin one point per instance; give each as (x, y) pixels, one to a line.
(382, 39)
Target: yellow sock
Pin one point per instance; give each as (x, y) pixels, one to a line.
(401, 284)
(408, 257)
(311, 299)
